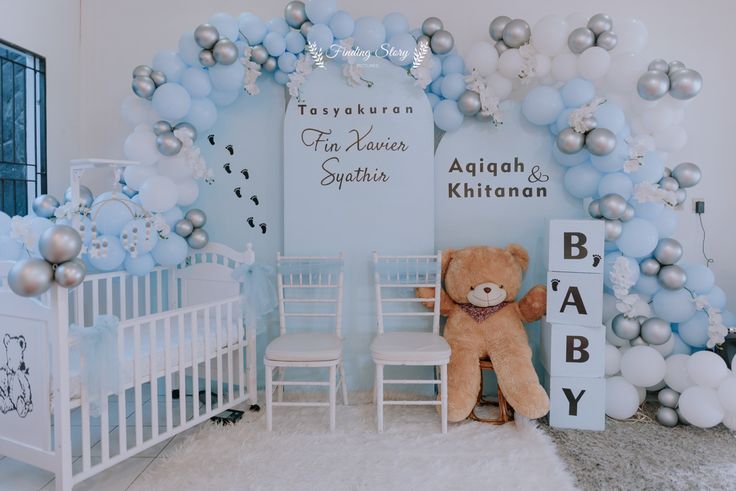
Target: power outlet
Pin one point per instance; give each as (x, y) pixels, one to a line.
(699, 206)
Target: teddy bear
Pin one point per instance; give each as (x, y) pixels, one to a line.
(485, 320)
(15, 388)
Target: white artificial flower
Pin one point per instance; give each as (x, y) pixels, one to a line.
(302, 69)
(529, 63)
(20, 229)
(647, 192)
(577, 118)
(489, 103)
(252, 72)
(192, 155)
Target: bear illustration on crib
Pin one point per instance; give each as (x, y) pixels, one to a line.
(15, 388)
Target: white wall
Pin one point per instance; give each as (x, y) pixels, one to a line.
(116, 36)
(52, 29)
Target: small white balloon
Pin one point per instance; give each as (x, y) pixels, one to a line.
(727, 394)
(140, 146)
(136, 175)
(158, 194)
(671, 139)
(622, 398)
(700, 406)
(632, 35)
(707, 369)
(481, 57)
(564, 66)
(643, 366)
(500, 85)
(549, 35)
(677, 376)
(613, 360)
(594, 63)
(510, 63)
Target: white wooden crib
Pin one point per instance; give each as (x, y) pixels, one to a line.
(183, 355)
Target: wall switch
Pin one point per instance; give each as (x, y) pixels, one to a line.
(699, 206)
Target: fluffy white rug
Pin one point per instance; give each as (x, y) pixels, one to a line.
(301, 454)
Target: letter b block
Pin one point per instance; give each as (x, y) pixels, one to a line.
(574, 298)
(573, 351)
(577, 402)
(576, 246)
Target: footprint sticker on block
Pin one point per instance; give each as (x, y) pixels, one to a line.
(263, 227)
(227, 168)
(230, 149)
(211, 139)
(555, 282)
(251, 222)
(596, 260)
(245, 173)
(237, 192)
(254, 199)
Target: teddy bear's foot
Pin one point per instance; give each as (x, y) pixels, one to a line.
(530, 401)
(21, 407)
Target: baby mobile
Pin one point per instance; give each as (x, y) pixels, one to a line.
(613, 117)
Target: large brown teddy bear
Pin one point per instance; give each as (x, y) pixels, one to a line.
(485, 320)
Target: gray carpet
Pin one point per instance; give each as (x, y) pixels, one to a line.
(642, 455)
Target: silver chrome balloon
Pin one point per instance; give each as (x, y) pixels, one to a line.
(424, 39)
(570, 141)
(86, 198)
(628, 214)
(142, 71)
(669, 184)
(305, 28)
(614, 229)
(594, 209)
(600, 141)
(516, 33)
(295, 14)
(431, 25)
(649, 266)
(600, 23)
(653, 85)
(71, 273)
(501, 46)
(469, 103)
(159, 78)
(168, 144)
(59, 244)
(45, 205)
(607, 40)
(668, 397)
(667, 172)
(672, 277)
(441, 42)
(495, 29)
(613, 206)
(197, 217)
(206, 36)
(666, 416)
(160, 127)
(625, 327)
(207, 58)
(674, 66)
(198, 239)
(187, 128)
(685, 84)
(30, 277)
(270, 64)
(590, 123)
(659, 65)
(656, 331)
(259, 54)
(225, 52)
(668, 251)
(184, 228)
(687, 174)
(143, 87)
(580, 39)
(638, 341)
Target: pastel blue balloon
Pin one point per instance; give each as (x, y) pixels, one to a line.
(171, 251)
(651, 169)
(295, 42)
(666, 222)
(197, 82)
(170, 64)
(10, 249)
(436, 86)
(435, 70)
(569, 159)
(280, 77)
(615, 160)
(202, 114)
(111, 214)
(86, 234)
(320, 11)
(729, 319)
(227, 77)
(717, 298)
(648, 210)
(287, 62)
(172, 101)
(648, 285)
(143, 242)
(279, 25)
(452, 64)
(226, 25)
(433, 99)
(252, 28)
(223, 98)
(189, 49)
(577, 92)
(342, 24)
(274, 44)
(321, 35)
(416, 32)
(395, 23)
(681, 347)
(114, 255)
(172, 215)
(673, 305)
(695, 330)
(542, 105)
(582, 181)
(453, 86)
(563, 120)
(369, 33)
(610, 116)
(553, 130)
(447, 116)
(700, 278)
(616, 183)
(625, 133)
(638, 239)
(609, 246)
(608, 263)
(401, 49)
(140, 265)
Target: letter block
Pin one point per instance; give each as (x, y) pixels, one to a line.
(574, 298)
(573, 351)
(577, 402)
(576, 246)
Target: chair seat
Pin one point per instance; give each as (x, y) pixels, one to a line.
(305, 346)
(409, 347)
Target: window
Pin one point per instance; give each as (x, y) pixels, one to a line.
(22, 128)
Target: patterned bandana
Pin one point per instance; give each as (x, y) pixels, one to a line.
(479, 314)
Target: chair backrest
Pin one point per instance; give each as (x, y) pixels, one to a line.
(396, 281)
(310, 287)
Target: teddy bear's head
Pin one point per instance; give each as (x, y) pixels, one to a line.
(484, 276)
(15, 346)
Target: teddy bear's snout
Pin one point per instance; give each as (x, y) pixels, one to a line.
(487, 289)
(486, 295)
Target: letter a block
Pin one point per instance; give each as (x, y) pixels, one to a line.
(573, 351)
(577, 402)
(574, 298)
(576, 246)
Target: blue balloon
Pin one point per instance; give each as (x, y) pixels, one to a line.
(648, 285)
(436, 86)
(189, 49)
(452, 64)
(342, 24)
(112, 213)
(562, 120)
(223, 98)
(681, 347)
(252, 28)
(608, 262)
(695, 330)
(395, 23)
(615, 160)
(666, 222)
(569, 159)
(401, 49)
(610, 116)
(172, 216)
(202, 114)
(577, 92)
(648, 210)
(700, 278)
(609, 246)
(729, 319)
(140, 265)
(453, 86)
(226, 25)
(616, 183)
(280, 77)
(651, 170)
(447, 116)
(582, 181)
(274, 43)
(433, 99)
(10, 249)
(717, 298)
(638, 239)
(172, 101)
(171, 251)
(279, 25)
(295, 42)
(673, 305)
(170, 64)
(197, 82)
(369, 33)
(542, 105)
(321, 35)
(287, 62)
(227, 77)
(135, 233)
(435, 69)
(320, 11)
(114, 254)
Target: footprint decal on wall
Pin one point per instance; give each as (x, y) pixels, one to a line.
(227, 168)
(555, 282)
(245, 173)
(237, 192)
(230, 149)
(254, 199)
(251, 222)
(211, 139)
(263, 227)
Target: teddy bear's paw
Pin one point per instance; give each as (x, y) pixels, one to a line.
(533, 401)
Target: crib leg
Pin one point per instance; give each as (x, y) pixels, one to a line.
(269, 398)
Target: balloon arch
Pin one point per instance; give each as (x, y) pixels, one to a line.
(612, 117)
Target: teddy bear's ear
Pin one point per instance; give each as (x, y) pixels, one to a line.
(6, 340)
(447, 256)
(520, 254)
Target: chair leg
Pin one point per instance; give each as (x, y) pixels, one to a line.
(280, 375)
(333, 395)
(343, 384)
(269, 398)
(443, 396)
(379, 397)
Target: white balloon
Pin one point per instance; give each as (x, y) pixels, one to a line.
(729, 420)
(140, 146)
(613, 360)
(626, 68)
(188, 192)
(622, 398)
(727, 394)
(136, 110)
(175, 167)
(510, 63)
(565, 66)
(482, 57)
(700, 406)
(642, 393)
(500, 85)
(671, 139)
(707, 369)
(158, 194)
(658, 119)
(677, 376)
(643, 366)
(657, 387)
(136, 175)
(549, 35)
(594, 63)
(632, 35)
(666, 348)
(543, 65)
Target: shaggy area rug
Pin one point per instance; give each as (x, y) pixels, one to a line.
(301, 454)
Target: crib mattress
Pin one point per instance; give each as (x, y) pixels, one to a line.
(127, 367)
